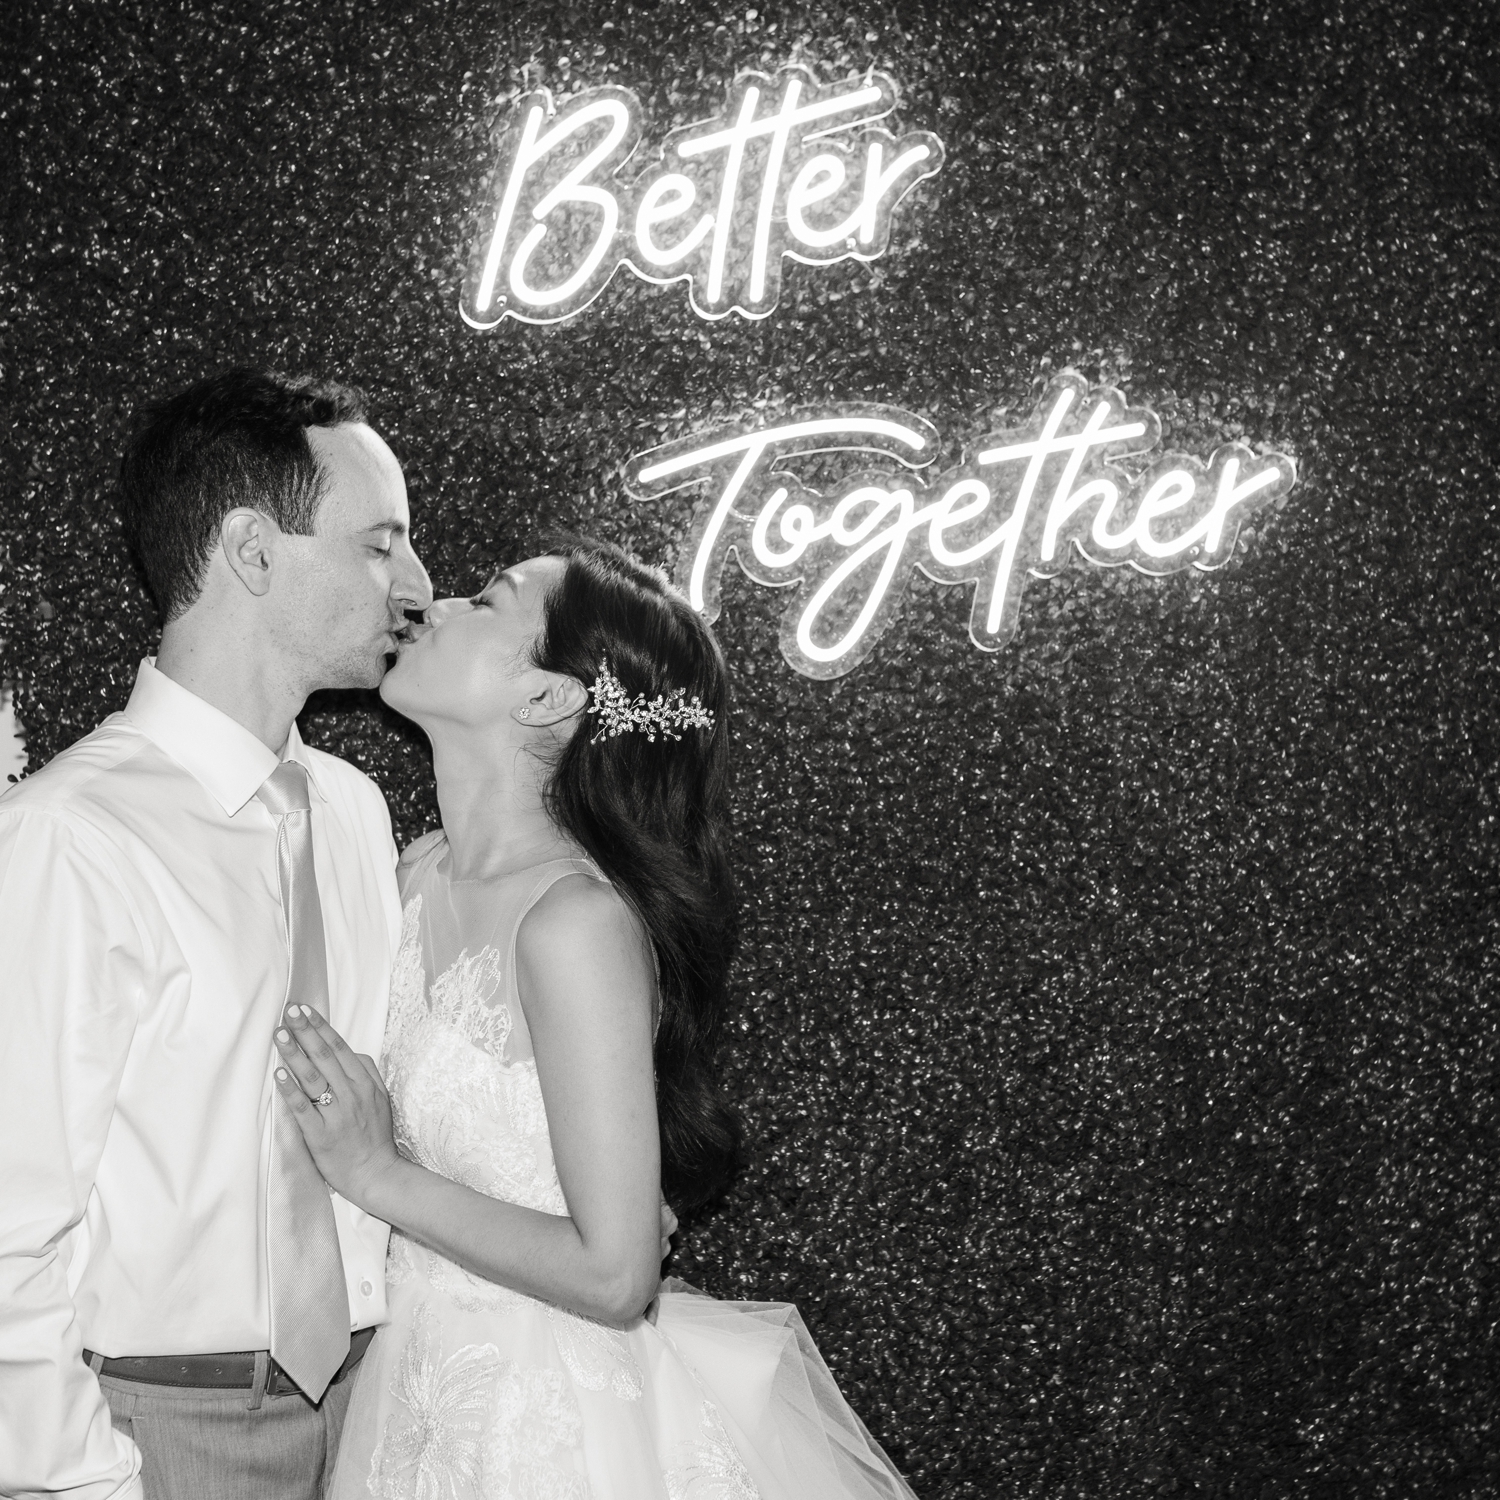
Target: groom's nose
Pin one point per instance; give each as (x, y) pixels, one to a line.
(412, 588)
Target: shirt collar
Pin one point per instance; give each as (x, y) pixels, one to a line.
(229, 762)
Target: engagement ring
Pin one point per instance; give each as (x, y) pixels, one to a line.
(324, 1099)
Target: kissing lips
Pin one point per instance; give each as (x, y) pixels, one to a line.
(396, 637)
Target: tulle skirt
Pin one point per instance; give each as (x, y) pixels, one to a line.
(473, 1392)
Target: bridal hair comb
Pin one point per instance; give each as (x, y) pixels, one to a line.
(665, 715)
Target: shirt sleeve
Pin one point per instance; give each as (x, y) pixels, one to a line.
(73, 960)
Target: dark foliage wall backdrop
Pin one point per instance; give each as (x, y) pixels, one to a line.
(1116, 1024)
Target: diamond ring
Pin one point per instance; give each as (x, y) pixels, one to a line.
(324, 1099)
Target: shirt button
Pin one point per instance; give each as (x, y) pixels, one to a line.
(367, 1289)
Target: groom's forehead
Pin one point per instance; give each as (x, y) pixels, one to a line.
(363, 487)
(355, 452)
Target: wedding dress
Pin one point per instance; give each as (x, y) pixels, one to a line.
(473, 1391)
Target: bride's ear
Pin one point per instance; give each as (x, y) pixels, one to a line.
(558, 699)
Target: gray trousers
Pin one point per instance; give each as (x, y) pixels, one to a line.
(230, 1445)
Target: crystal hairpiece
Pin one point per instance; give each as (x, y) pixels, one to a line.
(665, 715)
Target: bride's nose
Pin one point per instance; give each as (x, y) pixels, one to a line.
(440, 609)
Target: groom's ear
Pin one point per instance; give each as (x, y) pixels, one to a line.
(558, 700)
(247, 537)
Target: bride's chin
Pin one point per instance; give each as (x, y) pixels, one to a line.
(391, 689)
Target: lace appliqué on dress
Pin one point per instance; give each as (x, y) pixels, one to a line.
(454, 1105)
(463, 997)
(399, 1266)
(528, 1110)
(533, 1417)
(408, 989)
(596, 1355)
(468, 1292)
(474, 1425)
(710, 1468)
(458, 1108)
(433, 1449)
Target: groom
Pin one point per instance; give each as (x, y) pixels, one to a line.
(181, 1299)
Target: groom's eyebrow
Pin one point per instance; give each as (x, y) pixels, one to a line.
(396, 528)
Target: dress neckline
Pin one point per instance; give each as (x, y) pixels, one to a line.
(444, 858)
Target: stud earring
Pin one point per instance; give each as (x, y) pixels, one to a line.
(525, 713)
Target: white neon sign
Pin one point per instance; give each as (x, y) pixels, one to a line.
(791, 167)
(1024, 504)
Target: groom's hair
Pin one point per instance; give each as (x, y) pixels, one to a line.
(236, 438)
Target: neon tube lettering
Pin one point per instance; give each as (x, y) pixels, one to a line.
(947, 514)
(555, 220)
(1035, 454)
(797, 528)
(1065, 499)
(1170, 492)
(820, 177)
(1031, 501)
(669, 197)
(574, 189)
(770, 180)
(1229, 495)
(820, 435)
(727, 190)
(532, 149)
(878, 183)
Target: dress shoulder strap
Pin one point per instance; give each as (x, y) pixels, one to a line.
(547, 876)
(418, 857)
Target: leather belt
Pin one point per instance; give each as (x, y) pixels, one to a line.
(219, 1371)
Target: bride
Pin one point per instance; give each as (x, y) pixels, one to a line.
(555, 1003)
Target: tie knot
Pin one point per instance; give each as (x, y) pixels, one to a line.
(285, 789)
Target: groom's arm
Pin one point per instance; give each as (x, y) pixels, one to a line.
(70, 972)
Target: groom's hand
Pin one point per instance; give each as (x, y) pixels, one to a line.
(337, 1098)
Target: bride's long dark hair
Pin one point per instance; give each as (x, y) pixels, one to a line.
(654, 816)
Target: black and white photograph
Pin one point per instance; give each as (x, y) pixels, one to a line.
(749, 752)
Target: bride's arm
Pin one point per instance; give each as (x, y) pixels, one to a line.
(586, 981)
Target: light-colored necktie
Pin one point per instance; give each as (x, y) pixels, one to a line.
(309, 1299)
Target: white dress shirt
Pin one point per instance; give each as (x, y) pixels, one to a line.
(143, 965)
